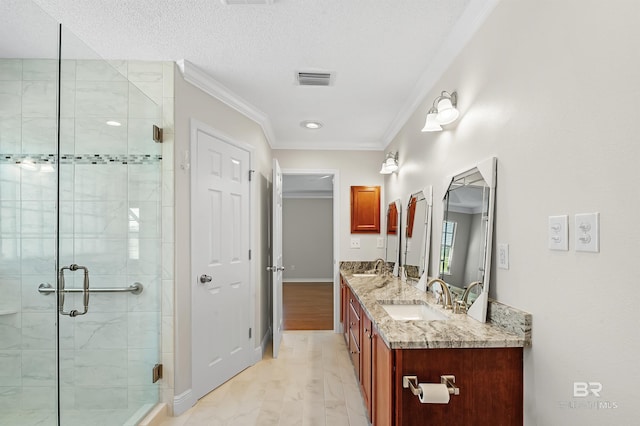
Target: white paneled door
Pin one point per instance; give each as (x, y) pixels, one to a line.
(221, 345)
(276, 256)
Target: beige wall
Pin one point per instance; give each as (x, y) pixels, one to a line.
(307, 239)
(191, 102)
(354, 168)
(552, 88)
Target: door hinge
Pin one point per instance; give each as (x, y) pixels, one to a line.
(157, 372)
(249, 254)
(251, 172)
(249, 333)
(157, 134)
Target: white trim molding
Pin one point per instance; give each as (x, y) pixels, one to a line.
(203, 81)
(262, 349)
(183, 402)
(471, 20)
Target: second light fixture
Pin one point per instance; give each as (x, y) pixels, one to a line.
(442, 112)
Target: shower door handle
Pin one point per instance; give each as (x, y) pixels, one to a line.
(61, 292)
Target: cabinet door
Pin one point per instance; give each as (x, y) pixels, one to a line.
(365, 209)
(354, 334)
(365, 361)
(344, 312)
(382, 382)
(490, 382)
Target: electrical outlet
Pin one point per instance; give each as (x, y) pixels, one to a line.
(292, 268)
(355, 243)
(588, 232)
(503, 256)
(380, 242)
(558, 233)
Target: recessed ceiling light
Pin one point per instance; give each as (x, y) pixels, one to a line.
(312, 125)
(114, 123)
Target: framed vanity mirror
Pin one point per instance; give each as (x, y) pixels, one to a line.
(418, 237)
(467, 231)
(392, 256)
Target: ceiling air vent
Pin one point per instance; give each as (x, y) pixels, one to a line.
(314, 78)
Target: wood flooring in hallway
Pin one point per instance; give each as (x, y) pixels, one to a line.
(307, 306)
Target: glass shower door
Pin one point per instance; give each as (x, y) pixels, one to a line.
(109, 241)
(28, 126)
(80, 206)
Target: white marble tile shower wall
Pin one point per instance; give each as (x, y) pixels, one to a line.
(114, 190)
(167, 229)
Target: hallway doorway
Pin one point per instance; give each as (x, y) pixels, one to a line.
(309, 250)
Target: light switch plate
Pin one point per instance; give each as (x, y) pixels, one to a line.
(588, 232)
(503, 256)
(355, 243)
(558, 232)
(380, 242)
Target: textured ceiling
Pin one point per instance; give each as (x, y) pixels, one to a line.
(381, 51)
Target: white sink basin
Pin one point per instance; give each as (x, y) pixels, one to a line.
(413, 312)
(365, 275)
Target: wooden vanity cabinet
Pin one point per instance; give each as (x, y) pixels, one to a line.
(344, 313)
(381, 382)
(490, 382)
(490, 379)
(355, 332)
(366, 372)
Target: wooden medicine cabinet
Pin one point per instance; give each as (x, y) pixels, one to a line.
(365, 209)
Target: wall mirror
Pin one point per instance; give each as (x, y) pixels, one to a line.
(392, 256)
(418, 237)
(467, 230)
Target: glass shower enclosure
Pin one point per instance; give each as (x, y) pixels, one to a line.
(80, 229)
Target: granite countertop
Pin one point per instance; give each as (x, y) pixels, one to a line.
(508, 327)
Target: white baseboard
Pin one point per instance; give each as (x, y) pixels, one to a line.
(307, 280)
(260, 351)
(183, 402)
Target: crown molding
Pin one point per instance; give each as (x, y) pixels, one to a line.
(333, 146)
(203, 81)
(473, 17)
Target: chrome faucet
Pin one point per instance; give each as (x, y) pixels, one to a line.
(446, 300)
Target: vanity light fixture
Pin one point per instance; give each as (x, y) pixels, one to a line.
(390, 164)
(443, 111)
(311, 125)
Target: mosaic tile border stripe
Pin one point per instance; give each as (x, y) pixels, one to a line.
(81, 158)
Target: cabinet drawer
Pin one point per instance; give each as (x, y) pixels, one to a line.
(354, 351)
(354, 324)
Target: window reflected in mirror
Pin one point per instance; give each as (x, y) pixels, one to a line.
(465, 242)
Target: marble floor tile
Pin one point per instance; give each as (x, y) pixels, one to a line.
(311, 383)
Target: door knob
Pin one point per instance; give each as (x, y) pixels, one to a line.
(275, 268)
(205, 278)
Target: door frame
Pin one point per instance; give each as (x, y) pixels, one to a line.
(336, 234)
(195, 126)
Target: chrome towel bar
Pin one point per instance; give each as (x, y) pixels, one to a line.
(135, 288)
